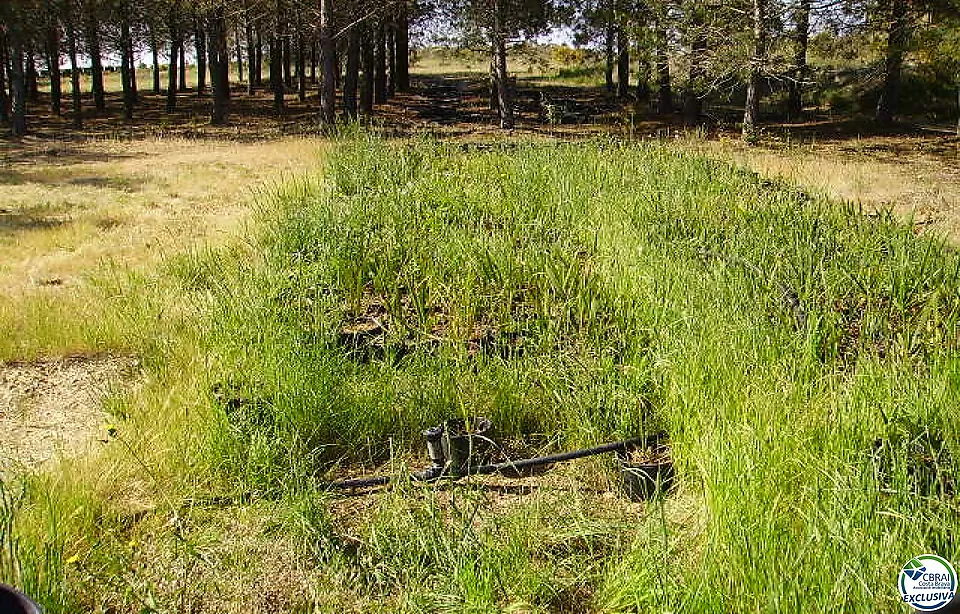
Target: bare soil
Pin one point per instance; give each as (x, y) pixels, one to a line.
(53, 408)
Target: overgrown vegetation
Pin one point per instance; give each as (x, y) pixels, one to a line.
(802, 356)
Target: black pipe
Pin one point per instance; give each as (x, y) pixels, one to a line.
(435, 473)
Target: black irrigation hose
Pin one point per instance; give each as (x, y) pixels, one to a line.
(436, 473)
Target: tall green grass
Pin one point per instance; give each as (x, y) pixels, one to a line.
(802, 356)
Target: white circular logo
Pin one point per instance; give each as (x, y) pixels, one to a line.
(928, 582)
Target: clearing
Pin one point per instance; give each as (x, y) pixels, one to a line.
(254, 317)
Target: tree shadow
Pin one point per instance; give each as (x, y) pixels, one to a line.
(29, 175)
(25, 221)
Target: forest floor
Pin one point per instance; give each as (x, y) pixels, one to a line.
(79, 209)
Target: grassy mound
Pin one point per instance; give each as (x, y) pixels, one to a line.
(802, 356)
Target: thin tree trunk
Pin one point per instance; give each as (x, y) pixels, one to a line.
(219, 67)
(751, 107)
(258, 73)
(795, 95)
(76, 94)
(53, 68)
(352, 77)
(239, 53)
(610, 37)
(380, 64)
(391, 60)
(183, 67)
(134, 91)
(155, 56)
(504, 91)
(494, 96)
(897, 35)
(33, 87)
(4, 98)
(313, 61)
(328, 54)
(665, 91)
(96, 64)
(18, 85)
(338, 73)
(173, 26)
(366, 62)
(276, 60)
(125, 68)
(693, 93)
(200, 45)
(301, 68)
(251, 54)
(287, 63)
(623, 64)
(403, 48)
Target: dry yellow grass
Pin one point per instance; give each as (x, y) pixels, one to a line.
(899, 173)
(72, 211)
(67, 209)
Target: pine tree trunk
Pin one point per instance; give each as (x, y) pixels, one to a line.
(173, 26)
(96, 64)
(494, 97)
(251, 54)
(76, 94)
(380, 64)
(751, 108)
(219, 67)
(504, 91)
(665, 90)
(403, 48)
(4, 98)
(693, 94)
(795, 95)
(328, 49)
(276, 60)
(301, 68)
(610, 38)
(125, 68)
(183, 67)
(200, 45)
(53, 68)
(897, 35)
(287, 63)
(239, 53)
(623, 64)
(351, 79)
(258, 73)
(18, 84)
(134, 92)
(33, 86)
(155, 56)
(366, 64)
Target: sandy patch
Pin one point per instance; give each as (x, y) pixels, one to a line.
(53, 408)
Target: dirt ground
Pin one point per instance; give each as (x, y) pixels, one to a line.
(53, 408)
